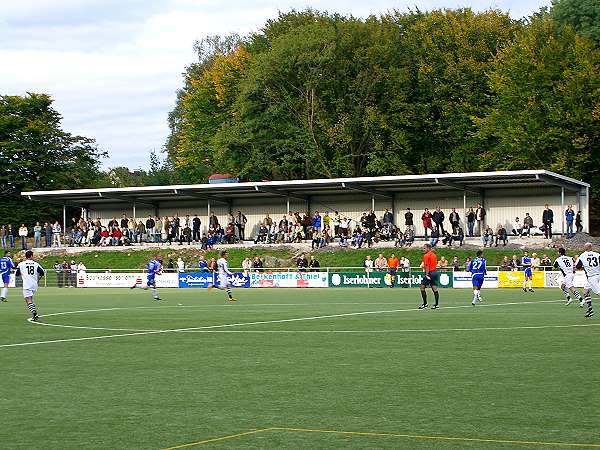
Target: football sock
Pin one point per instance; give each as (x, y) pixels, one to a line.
(4, 292)
(525, 284)
(589, 305)
(566, 292)
(32, 308)
(154, 293)
(229, 292)
(424, 295)
(530, 284)
(577, 295)
(475, 296)
(436, 295)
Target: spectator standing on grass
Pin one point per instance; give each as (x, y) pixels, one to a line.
(81, 269)
(426, 219)
(257, 264)
(408, 220)
(10, 234)
(301, 263)
(212, 265)
(404, 264)
(547, 220)
(246, 265)
(37, 235)
(514, 263)
(438, 217)
(454, 219)
(505, 265)
(240, 223)
(73, 274)
(569, 218)
(380, 263)
(58, 270)
(470, 221)
(578, 222)
(3, 236)
(480, 217)
(314, 264)
(202, 264)
(455, 264)
(368, 264)
(180, 265)
(56, 230)
(535, 262)
(546, 263)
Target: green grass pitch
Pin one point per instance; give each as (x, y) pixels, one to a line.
(519, 371)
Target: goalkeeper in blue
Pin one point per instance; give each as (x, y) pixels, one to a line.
(478, 270)
(154, 268)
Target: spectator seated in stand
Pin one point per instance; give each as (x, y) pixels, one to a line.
(409, 236)
(435, 236)
(272, 234)
(262, 234)
(186, 235)
(399, 240)
(357, 238)
(527, 225)
(230, 234)
(487, 236)
(501, 235)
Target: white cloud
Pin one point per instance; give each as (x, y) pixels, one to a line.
(113, 66)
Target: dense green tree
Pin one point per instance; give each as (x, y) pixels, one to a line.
(36, 153)
(582, 15)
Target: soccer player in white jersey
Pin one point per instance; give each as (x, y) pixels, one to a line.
(565, 264)
(222, 281)
(6, 264)
(30, 271)
(589, 261)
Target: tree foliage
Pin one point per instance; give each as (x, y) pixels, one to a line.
(36, 154)
(582, 15)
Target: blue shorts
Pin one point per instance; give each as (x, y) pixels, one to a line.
(6, 278)
(477, 280)
(527, 272)
(150, 280)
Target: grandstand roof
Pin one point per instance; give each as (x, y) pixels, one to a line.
(386, 186)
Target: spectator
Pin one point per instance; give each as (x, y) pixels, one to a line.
(535, 261)
(438, 217)
(81, 269)
(158, 230)
(388, 217)
(454, 219)
(23, 235)
(314, 264)
(212, 265)
(170, 266)
(3, 236)
(458, 235)
(546, 263)
(501, 235)
(240, 223)
(116, 235)
(326, 220)
(357, 238)
(73, 274)
(368, 264)
(317, 240)
(409, 236)
(547, 220)
(470, 221)
(517, 228)
(435, 236)
(404, 264)
(56, 230)
(514, 263)
(426, 219)
(257, 264)
(399, 241)
(343, 228)
(37, 235)
(246, 265)
(10, 234)
(371, 221)
(443, 263)
(455, 264)
(527, 224)
(186, 235)
(336, 223)
(380, 263)
(578, 222)
(301, 263)
(480, 217)
(113, 223)
(180, 265)
(196, 222)
(48, 234)
(262, 233)
(569, 218)
(467, 261)
(487, 236)
(317, 222)
(447, 238)
(65, 272)
(229, 233)
(58, 269)
(505, 265)
(408, 220)
(202, 264)
(272, 234)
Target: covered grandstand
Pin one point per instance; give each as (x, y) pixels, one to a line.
(505, 195)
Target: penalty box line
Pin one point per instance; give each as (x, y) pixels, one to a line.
(423, 437)
(240, 324)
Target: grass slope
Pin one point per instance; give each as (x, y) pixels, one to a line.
(163, 389)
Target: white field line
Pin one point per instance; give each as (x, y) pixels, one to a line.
(240, 324)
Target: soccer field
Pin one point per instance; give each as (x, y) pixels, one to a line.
(312, 368)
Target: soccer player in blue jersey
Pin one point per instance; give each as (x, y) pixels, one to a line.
(6, 265)
(478, 270)
(154, 268)
(527, 272)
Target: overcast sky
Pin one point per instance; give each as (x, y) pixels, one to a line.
(113, 66)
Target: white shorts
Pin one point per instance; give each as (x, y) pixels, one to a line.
(28, 293)
(567, 280)
(594, 284)
(222, 282)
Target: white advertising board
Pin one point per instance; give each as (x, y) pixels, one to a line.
(463, 280)
(289, 279)
(109, 279)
